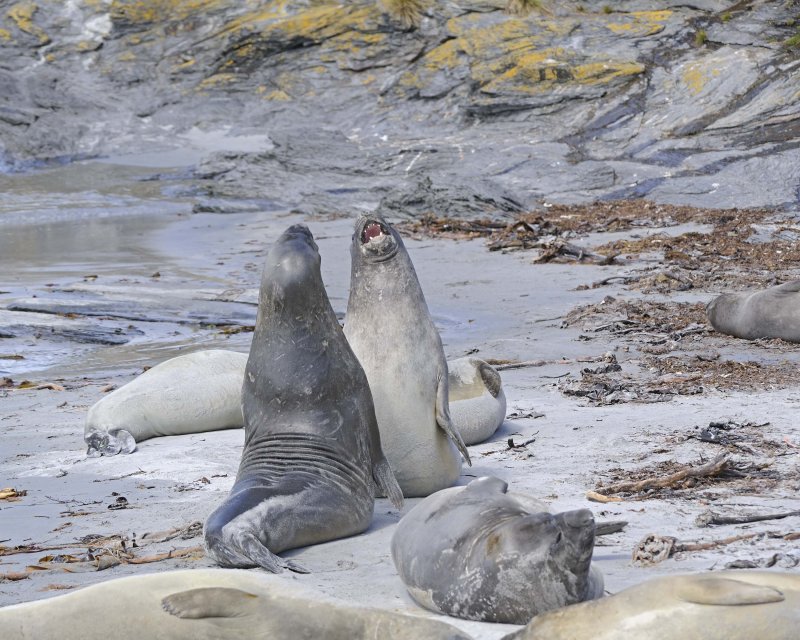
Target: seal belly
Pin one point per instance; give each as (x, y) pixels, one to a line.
(292, 490)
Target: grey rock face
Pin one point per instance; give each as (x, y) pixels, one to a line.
(473, 112)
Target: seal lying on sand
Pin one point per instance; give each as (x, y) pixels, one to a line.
(202, 391)
(197, 392)
(479, 553)
(312, 446)
(726, 605)
(206, 603)
(390, 330)
(771, 313)
(477, 400)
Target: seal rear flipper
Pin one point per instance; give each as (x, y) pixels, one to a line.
(727, 591)
(212, 602)
(443, 417)
(252, 548)
(384, 476)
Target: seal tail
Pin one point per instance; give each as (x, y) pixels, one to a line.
(384, 476)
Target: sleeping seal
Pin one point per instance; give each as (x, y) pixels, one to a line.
(197, 392)
(727, 605)
(390, 330)
(312, 446)
(204, 604)
(477, 400)
(771, 313)
(478, 553)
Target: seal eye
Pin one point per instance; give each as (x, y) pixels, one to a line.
(372, 230)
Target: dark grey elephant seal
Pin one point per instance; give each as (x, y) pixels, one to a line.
(312, 446)
(479, 553)
(391, 331)
(771, 313)
(725, 605)
(206, 604)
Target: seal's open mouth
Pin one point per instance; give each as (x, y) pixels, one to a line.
(371, 230)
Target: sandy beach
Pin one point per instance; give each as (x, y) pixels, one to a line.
(497, 305)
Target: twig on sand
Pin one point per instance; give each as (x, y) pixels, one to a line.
(708, 518)
(501, 365)
(598, 497)
(710, 469)
(173, 553)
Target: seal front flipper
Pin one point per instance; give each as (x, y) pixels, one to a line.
(108, 443)
(443, 417)
(384, 476)
(726, 591)
(211, 602)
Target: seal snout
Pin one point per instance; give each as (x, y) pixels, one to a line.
(578, 519)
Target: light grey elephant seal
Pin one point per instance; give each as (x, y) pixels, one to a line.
(206, 604)
(202, 391)
(391, 331)
(477, 400)
(479, 553)
(197, 392)
(726, 605)
(771, 313)
(312, 447)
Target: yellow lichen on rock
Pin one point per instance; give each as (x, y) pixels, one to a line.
(5, 34)
(21, 15)
(160, 11)
(278, 95)
(537, 72)
(639, 23)
(696, 75)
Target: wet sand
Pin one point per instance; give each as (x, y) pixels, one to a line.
(496, 305)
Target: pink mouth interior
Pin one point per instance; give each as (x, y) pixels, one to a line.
(372, 230)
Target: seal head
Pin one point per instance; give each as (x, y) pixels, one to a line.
(479, 553)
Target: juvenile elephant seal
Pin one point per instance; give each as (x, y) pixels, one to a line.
(728, 605)
(390, 330)
(312, 446)
(197, 392)
(206, 604)
(771, 313)
(202, 391)
(479, 553)
(477, 400)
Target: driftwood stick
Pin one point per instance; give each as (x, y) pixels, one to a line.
(708, 518)
(713, 468)
(503, 366)
(175, 553)
(713, 544)
(598, 497)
